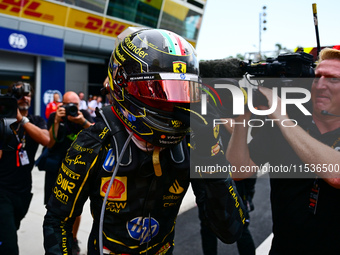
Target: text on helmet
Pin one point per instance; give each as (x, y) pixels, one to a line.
(134, 48)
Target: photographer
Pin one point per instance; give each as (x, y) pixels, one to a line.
(15, 167)
(64, 125)
(305, 206)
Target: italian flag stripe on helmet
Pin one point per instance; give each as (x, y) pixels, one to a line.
(174, 48)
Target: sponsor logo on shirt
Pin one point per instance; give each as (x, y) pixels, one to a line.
(142, 229)
(117, 194)
(109, 161)
(118, 190)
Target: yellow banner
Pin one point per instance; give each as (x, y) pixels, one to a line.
(81, 20)
(60, 15)
(154, 3)
(176, 10)
(65, 16)
(42, 11)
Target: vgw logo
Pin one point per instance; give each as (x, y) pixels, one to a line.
(240, 97)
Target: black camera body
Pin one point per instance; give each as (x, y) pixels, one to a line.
(292, 65)
(20, 92)
(8, 115)
(71, 110)
(284, 71)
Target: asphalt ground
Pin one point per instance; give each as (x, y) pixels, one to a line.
(188, 239)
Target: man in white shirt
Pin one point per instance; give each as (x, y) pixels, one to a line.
(93, 105)
(83, 104)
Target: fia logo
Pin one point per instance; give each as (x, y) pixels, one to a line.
(138, 229)
(17, 41)
(48, 95)
(109, 161)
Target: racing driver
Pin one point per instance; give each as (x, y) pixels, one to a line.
(134, 164)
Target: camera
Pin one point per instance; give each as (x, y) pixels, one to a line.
(8, 115)
(287, 70)
(71, 110)
(292, 65)
(20, 92)
(8, 112)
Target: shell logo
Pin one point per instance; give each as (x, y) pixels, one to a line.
(118, 191)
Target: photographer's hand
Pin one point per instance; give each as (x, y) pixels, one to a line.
(36, 133)
(19, 116)
(53, 131)
(80, 120)
(237, 151)
(59, 115)
(276, 115)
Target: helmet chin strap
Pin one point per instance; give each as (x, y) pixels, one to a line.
(143, 145)
(156, 162)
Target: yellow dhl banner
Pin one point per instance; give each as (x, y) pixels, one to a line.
(154, 3)
(174, 9)
(60, 15)
(95, 24)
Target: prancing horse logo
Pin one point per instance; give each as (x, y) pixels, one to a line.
(179, 67)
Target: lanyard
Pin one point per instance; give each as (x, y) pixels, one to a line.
(314, 193)
(21, 144)
(335, 142)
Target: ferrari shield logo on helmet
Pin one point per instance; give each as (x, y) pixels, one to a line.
(179, 67)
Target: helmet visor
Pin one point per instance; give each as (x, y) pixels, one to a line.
(176, 91)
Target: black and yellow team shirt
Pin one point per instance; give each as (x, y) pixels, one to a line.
(141, 210)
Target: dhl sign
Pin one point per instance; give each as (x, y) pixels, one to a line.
(60, 15)
(96, 24)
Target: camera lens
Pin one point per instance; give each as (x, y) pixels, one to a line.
(19, 92)
(72, 110)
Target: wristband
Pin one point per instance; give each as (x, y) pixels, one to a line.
(55, 138)
(85, 122)
(24, 120)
